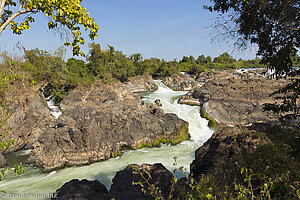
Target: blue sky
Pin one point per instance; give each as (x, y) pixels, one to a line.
(156, 28)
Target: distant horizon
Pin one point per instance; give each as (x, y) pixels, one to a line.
(164, 29)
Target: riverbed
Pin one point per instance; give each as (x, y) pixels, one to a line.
(34, 180)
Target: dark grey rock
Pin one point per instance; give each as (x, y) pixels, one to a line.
(123, 189)
(82, 190)
(224, 146)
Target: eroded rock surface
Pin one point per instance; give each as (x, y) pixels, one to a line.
(179, 82)
(98, 122)
(82, 190)
(141, 84)
(122, 187)
(235, 101)
(30, 117)
(224, 146)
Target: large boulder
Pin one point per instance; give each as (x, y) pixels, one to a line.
(125, 183)
(30, 116)
(211, 75)
(141, 84)
(99, 122)
(82, 190)
(224, 146)
(234, 100)
(180, 82)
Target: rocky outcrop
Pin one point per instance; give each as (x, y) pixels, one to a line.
(30, 116)
(235, 101)
(211, 75)
(123, 187)
(157, 102)
(82, 190)
(180, 82)
(225, 145)
(99, 122)
(2, 160)
(141, 84)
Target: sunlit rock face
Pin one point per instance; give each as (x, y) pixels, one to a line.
(30, 116)
(232, 100)
(100, 121)
(180, 82)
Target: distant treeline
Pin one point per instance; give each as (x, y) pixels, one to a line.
(109, 65)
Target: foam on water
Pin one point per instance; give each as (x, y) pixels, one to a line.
(54, 110)
(35, 181)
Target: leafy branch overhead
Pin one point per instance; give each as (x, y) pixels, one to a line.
(63, 15)
(274, 26)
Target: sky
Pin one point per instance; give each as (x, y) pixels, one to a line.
(166, 29)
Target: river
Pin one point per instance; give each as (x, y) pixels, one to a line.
(34, 180)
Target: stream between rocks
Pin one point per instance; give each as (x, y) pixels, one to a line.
(34, 180)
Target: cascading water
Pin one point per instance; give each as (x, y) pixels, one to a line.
(35, 181)
(54, 110)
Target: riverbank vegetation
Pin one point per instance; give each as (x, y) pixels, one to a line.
(271, 172)
(60, 76)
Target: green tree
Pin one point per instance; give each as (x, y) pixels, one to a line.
(63, 14)
(200, 59)
(136, 59)
(224, 58)
(274, 26)
(208, 60)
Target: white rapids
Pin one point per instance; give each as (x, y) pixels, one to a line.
(35, 181)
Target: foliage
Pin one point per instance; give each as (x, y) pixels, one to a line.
(5, 112)
(274, 26)
(271, 172)
(63, 15)
(58, 76)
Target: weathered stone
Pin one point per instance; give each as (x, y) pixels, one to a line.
(141, 84)
(82, 190)
(2, 160)
(211, 75)
(223, 146)
(100, 121)
(157, 102)
(179, 82)
(123, 188)
(30, 116)
(235, 101)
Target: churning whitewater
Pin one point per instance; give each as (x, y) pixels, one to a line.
(34, 180)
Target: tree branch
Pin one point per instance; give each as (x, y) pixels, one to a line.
(2, 4)
(2, 27)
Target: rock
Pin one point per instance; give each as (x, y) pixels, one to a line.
(30, 116)
(2, 160)
(82, 190)
(211, 75)
(157, 102)
(224, 146)
(180, 82)
(122, 187)
(141, 84)
(235, 101)
(99, 122)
